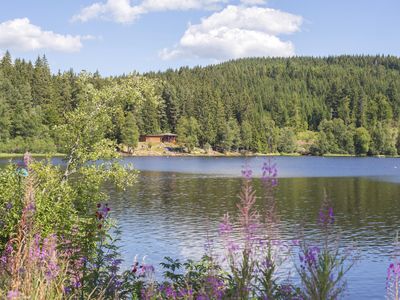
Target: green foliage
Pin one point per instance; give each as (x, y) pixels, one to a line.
(103, 278)
(384, 138)
(266, 136)
(323, 266)
(362, 141)
(287, 142)
(246, 135)
(230, 136)
(267, 283)
(322, 275)
(200, 277)
(31, 144)
(11, 202)
(256, 97)
(334, 137)
(293, 92)
(188, 131)
(130, 132)
(65, 198)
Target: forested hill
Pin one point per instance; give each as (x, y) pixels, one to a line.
(346, 104)
(349, 100)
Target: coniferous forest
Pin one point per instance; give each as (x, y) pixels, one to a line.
(336, 105)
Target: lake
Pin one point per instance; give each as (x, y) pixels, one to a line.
(179, 201)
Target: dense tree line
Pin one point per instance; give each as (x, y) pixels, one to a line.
(34, 104)
(344, 104)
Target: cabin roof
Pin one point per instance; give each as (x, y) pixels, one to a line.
(160, 135)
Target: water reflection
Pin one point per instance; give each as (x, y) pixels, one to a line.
(170, 214)
(289, 167)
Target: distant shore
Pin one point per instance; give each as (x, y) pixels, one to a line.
(232, 154)
(194, 154)
(213, 154)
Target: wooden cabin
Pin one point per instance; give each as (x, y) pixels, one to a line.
(159, 138)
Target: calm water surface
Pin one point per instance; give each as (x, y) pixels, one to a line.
(178, 201)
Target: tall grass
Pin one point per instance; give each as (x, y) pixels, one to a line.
(31, 266)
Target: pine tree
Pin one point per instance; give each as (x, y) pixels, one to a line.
(130, 132)
(188, 131)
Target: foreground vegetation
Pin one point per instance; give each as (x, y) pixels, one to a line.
(54, 245)
(337, 105)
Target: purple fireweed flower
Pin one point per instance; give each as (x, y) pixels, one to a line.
(267, 263)
(43, 253)
(254, 226)
(233, 247)
(295, 242)
(309, 257)
(331, 215)
(247, 173)
(118, 283)
(216, 288)
(145, 270)
(67, 290)
(209, 244)
(248, 215)
(77, 284)
(270, 173)
(393, 271)
(225, 227)
(392, 280)
(185, 293)
(13, 295)
(277, 242)
(6, 255)
(116, 262)
(326, 216)
(9, 206)
(286, 289)
(30, 207)
(27, 159)
(102, 213)
(169, 291)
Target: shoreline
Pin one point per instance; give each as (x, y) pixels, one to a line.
(233, 154)
(213, 154)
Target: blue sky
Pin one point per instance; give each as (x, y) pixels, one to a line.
(120, 36)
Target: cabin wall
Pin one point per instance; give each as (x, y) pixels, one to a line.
(153, 139)
(169, 139)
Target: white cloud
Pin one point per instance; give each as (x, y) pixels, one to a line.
(253, 2)
(160, 5)
(20, 34)
(238, 31)
(122, 11)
